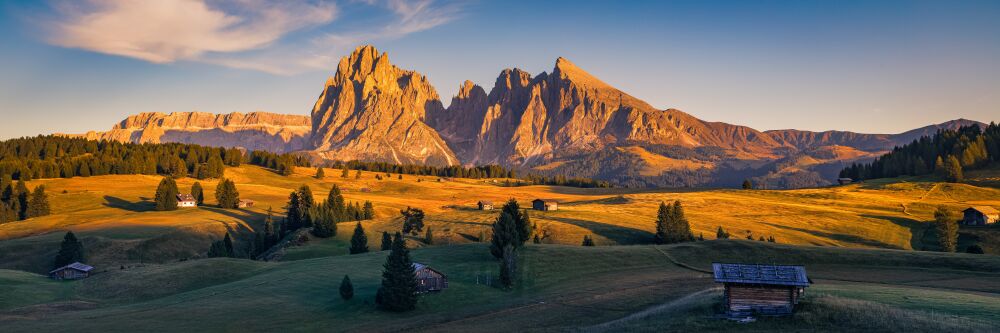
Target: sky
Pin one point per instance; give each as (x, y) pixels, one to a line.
(865, 66)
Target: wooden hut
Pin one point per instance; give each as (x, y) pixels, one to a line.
(72, 271)
(761, 289)
(980, 215)
(429, 279)
(485, 205)
(186, 200)
(844, 181)
(545, 204)
(245, 203)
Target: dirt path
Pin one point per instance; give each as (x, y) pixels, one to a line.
(922, 197)
(665, 307)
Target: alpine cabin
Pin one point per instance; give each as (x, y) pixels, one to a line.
(845, 181)
(980, 215)
(484, 205)
(429, 279)
(544, 204)
(72, 271)
(186, 200)
(761, 289)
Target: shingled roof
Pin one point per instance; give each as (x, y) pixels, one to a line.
(761, 274)
(76, 265)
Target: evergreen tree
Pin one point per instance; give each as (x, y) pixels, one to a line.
(346, 289)
(226, 194)
(429, 237)
(20, 199)
(178, 168)
(522, 223)
(747, 185)
(953, 170)
(357, 174)
(7, 214)
(369, 211)
(344, 172)
(38, 205)
(721, 233)
(508, 266)
(319, 173)
(270, 234)
(198, 193)
(947, 229)
(413, 220)
(228, 243)
(324, 225)
(386, 241)
(70, 251)
(939, 168)
(306, 203)
(215, 167)
(587, 241)
(166, 194)
(679, 230)
(359, 242)
(504, 233)
(663, 220)
(293, 214)
(399, 284)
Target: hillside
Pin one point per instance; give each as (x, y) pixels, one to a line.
(563, 288)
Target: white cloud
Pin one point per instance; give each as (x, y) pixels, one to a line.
(246, 34)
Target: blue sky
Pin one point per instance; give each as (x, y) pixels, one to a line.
(866, 66)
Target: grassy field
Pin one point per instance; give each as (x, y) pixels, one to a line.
(114, 217)
(604, 288)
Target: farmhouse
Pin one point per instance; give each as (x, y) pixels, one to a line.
(186, 200)
(761, 289)
(485, 205)
(429, 279)
(844, 181)
(72, 271)
(545, 204)
(245, 203)
(980, 215)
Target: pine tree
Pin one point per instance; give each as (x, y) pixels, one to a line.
(346, 289)
(747, 185)
(166, 194)
(678, 230)
(953, 170)
(179, 168)
(306, 203)
(721, 233)
(226, 194)
(587, 241)
(429, 237)
(323, 224)
(293, 214)
(504, 233)
(413, 220)
(319, 173)
(947, 229)
(398, 291)
(20, 199)
(359, 242)
(70, 251)
(522, 223)
(270, 234)
(663, 221)
(386, 241)
(344, 172)
(369, 211)
(38, 205)
(198, 193)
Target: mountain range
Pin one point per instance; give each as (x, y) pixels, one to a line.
(564, 122)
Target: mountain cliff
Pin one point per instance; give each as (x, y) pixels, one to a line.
(252, 131)
(372, 110)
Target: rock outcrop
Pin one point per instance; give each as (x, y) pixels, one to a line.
(372, 110)
(252, 131)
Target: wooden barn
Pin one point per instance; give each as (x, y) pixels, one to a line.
(429, 279)
(72, 271)
(980, 215)
(545, 204)
(245, 203)
(186, 200)
(761, 289)
(844, 181)
(485, 205)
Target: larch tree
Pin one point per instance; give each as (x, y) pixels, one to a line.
(953, 170)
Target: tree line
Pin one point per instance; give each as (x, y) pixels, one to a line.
(947, 154)
(18, 203)
(477, 172)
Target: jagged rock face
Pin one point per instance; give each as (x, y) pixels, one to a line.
(528, 121)
(374, 111)
(252, 131)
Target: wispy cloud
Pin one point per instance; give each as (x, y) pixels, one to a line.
(246, 34)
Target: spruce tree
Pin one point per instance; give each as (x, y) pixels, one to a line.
(359, 242)
(198, 193)
(678, 230)
(504, 233)
(179, 168)
(398, 291)
(226, 194)
(166, 194)
(270, 234)
(306, 203)
(947, 229)
(70, 251)
(344, 172)
(227, 242)
(508, 266)
(293, 214)
(38, 205)
(319, 173)
(346, 289)
(386, 241)
(7, 214)
(522, 223)
(587, 241)
(663, 221)
(20, 199)
(721, 233)
(323, 224)
(369, 211)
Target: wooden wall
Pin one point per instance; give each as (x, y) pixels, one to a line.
(744, 297)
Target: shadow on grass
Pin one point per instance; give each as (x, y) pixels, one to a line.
(619, 234)
(138, 206)
(838, 237)
(917, 229)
